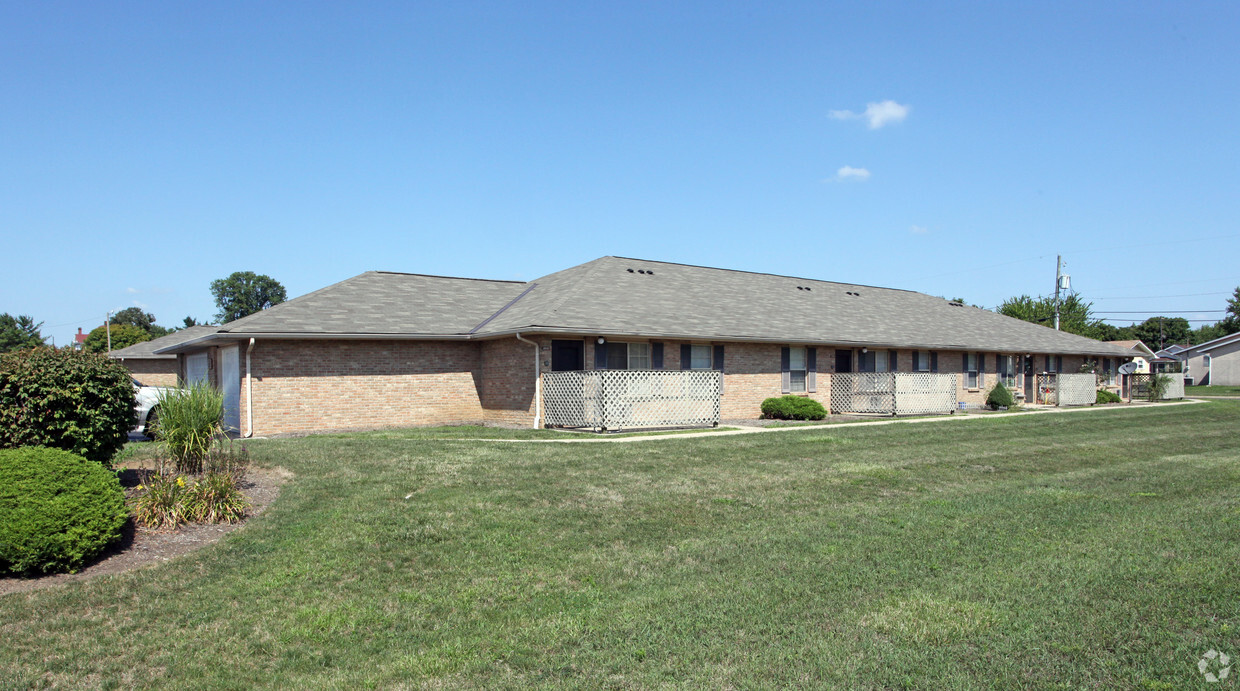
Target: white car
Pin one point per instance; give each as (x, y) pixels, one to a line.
(148, 407)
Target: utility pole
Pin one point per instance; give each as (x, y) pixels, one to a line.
(108, 321)
(1058, 271)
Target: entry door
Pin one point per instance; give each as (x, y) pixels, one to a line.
(843, 361)
(568, 356)
(230, 384)
(195, 368)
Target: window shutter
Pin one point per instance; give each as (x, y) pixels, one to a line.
(656, 356)
(600, 356)
(811, 365)
(891, 361)
(718, 359)
(934, 361)
(981, 370)
(1058, 363)
(785, 364)
(686, 356)
(964, 363)
(1048, 363)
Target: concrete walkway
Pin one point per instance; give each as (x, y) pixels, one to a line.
(838, 425)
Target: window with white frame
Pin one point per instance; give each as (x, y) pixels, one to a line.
(921, 361)
(970, 370)
(700, 357)
(876, 361)
(797, 367)
(1007, 370)
(628, 355)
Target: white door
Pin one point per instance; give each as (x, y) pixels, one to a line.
(195, 368)
(230, 384)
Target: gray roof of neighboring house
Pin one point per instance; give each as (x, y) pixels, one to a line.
(615, 296)
(146, 349)
(1136, 345)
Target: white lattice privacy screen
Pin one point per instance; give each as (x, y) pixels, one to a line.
(620, 399)
(1067, 389)
(1078, 389)
(1139, 385)
(893, 393)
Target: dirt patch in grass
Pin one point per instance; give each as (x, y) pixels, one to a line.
(139, 547)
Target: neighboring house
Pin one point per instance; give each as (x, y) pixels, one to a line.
(390, 349)
(79, 340)
(152, 369)
(1169, 359)
(1213, 363)
(1141, 354)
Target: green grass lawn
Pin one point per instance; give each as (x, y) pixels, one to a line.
(1212, 390)
(1095, 549)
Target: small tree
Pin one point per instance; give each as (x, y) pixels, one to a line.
(243, 293)
(1158, 386)
(66, 399)
(123, 336)
(999, 397)
(19, 332)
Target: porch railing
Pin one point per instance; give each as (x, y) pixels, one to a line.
(893, 393)
(627, 399)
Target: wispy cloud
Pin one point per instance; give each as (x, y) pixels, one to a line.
(850, 174)
(132, 291)
(918, 230)
(878, 114)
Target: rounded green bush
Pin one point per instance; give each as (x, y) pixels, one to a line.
(66, 399)
(793, 408)
(57, 510)
(999, 396)
(1105, 396)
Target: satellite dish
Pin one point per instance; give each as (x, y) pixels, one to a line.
(1128, 368)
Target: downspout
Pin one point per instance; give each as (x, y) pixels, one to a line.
(537, 381)
(249, 394)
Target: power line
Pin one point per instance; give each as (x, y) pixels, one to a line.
(1156, 297)
(1154, 312)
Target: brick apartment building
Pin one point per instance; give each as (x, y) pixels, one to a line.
(390, 349)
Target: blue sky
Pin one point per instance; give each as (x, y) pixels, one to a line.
(953, 149)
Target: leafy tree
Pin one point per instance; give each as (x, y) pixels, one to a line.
(1160, 332)
(1233, 304)
(190, 321)
(243, 293)
(1075, 315)
(134, 316)
(123, 336)
(17, 333)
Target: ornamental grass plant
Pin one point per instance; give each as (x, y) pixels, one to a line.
(189, 424)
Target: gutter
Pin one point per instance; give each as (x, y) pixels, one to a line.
(537, 381)
(249, 394)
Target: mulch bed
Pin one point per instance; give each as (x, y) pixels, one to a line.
(139, 547)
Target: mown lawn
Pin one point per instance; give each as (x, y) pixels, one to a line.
(1212, 390)
(1096, 549)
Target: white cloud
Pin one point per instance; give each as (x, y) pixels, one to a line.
(132, 291)
(877, 114)
(918, 230)
(849, 173)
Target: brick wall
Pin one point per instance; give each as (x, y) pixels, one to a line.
(307, 386)
(507, 391)
(154, 371)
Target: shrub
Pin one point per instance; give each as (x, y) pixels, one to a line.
(1158, 386)
(1105, 396)
(123, 336)
(57, 510)
(189, 424)
(793, 408)
(168, 499)
(1000, 396)
(65, 399)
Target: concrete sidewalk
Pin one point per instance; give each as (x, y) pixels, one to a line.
(837, 425)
